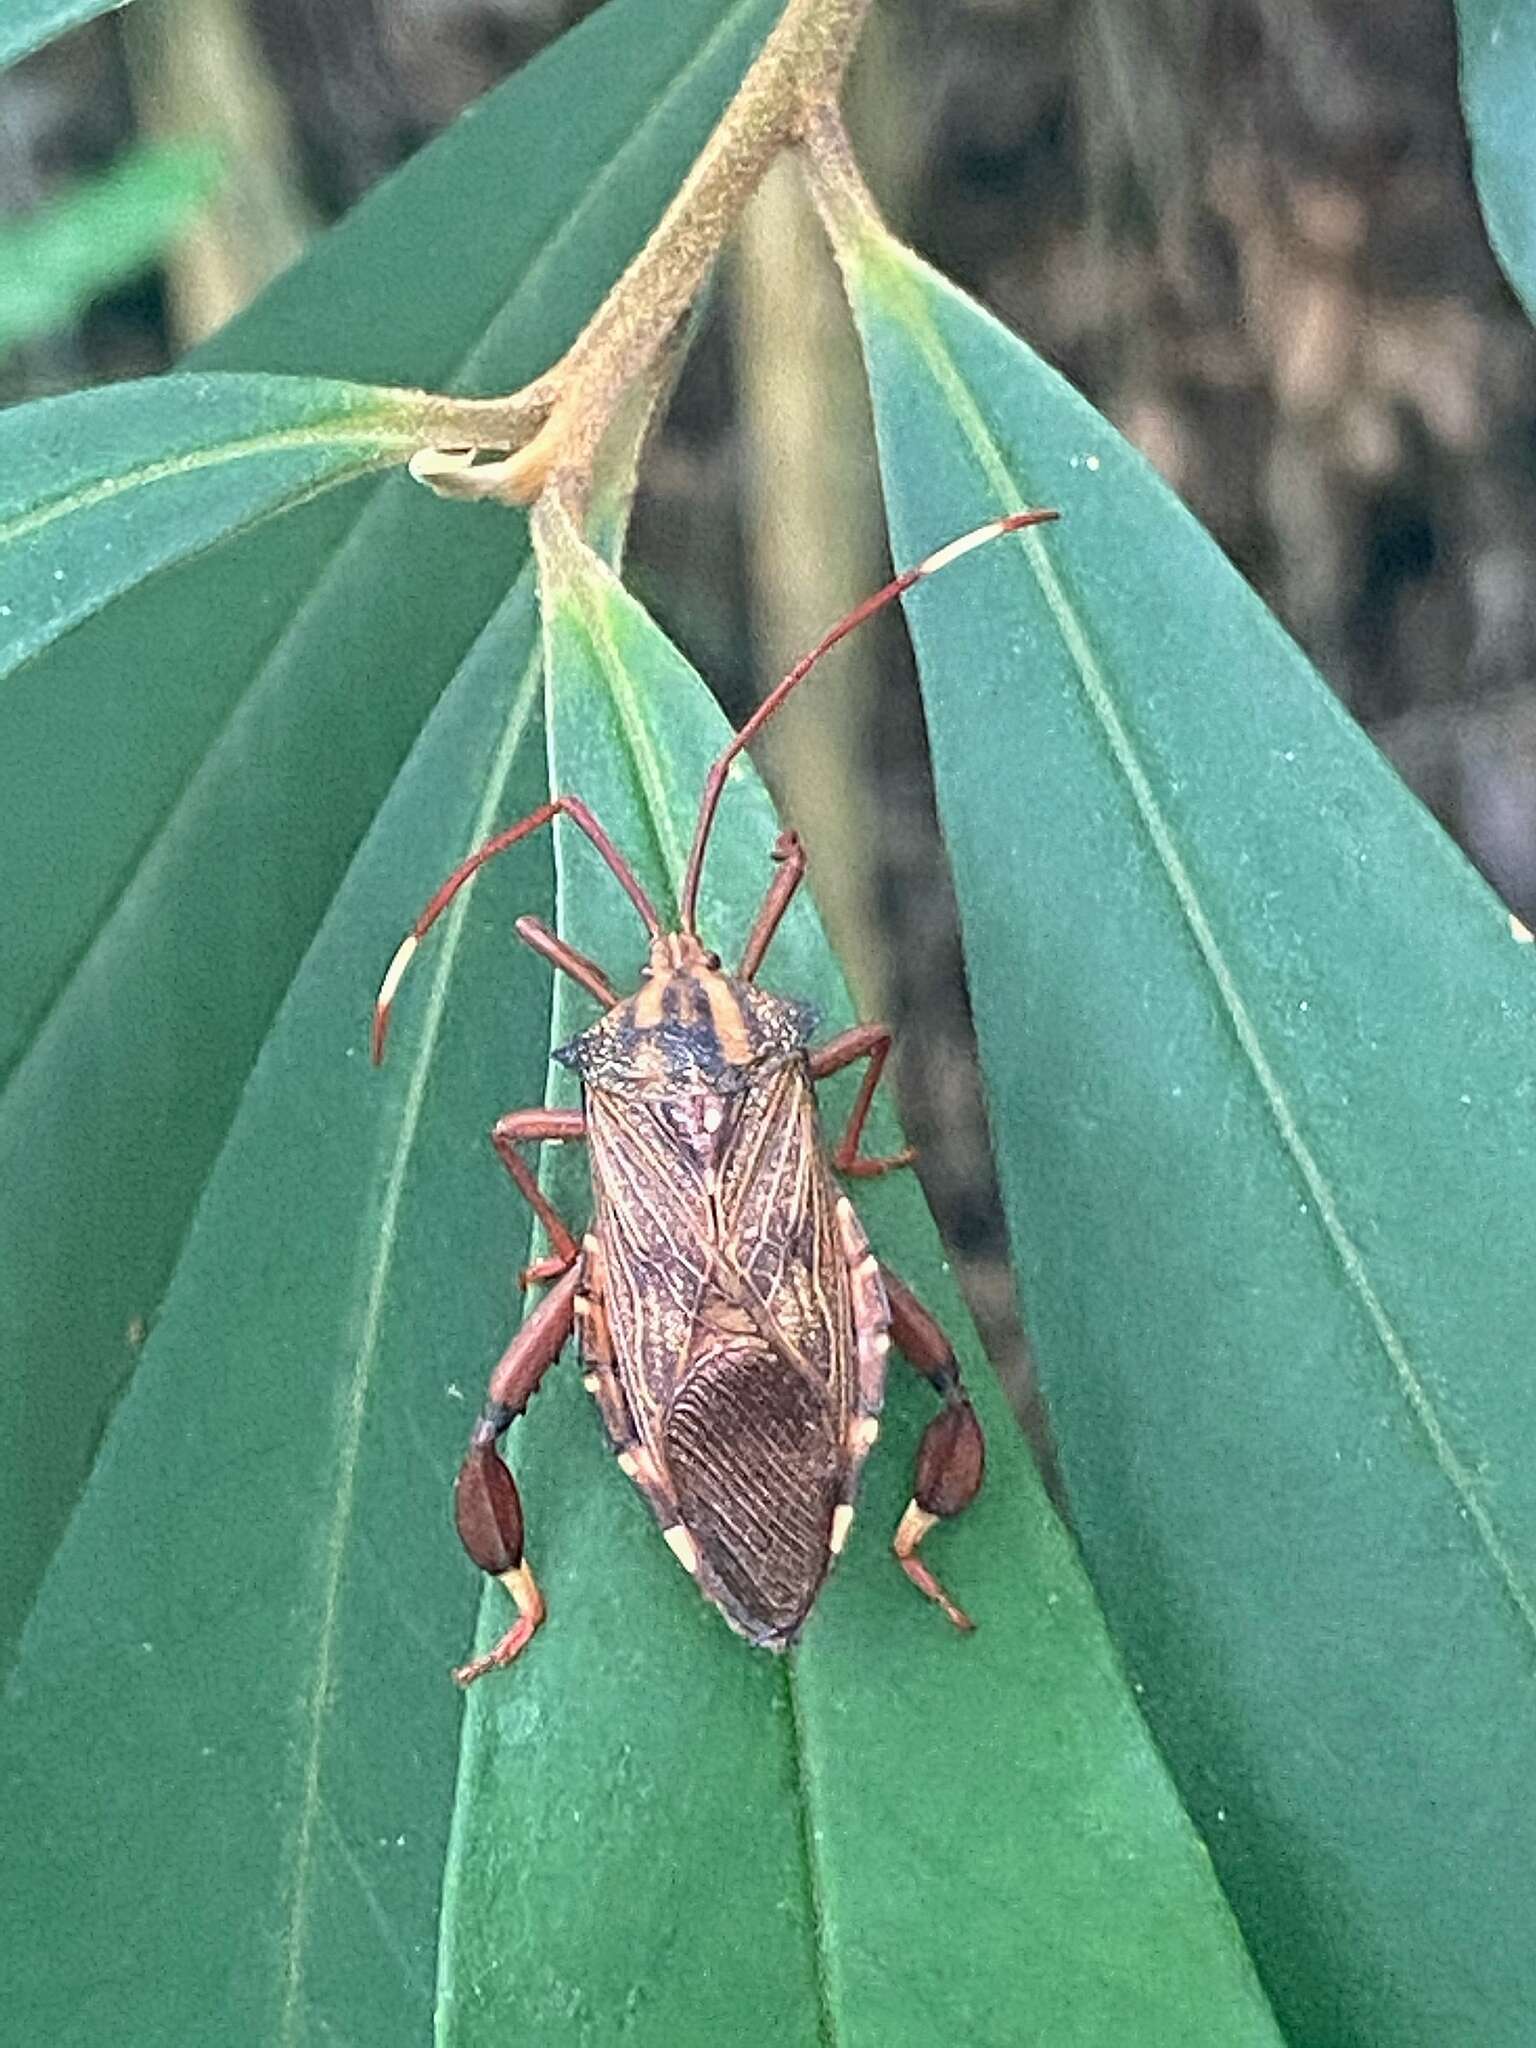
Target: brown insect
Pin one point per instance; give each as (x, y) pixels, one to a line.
(734, 1321)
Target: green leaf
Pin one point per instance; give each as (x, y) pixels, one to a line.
(1258, 1050)
(211, 749)
(234, 1678)
(28, 24)
(784, 1850)
(228, 1740)
(103, 488)
(654, 1832)
(1498, 94)
(99, 233)
(245, 1824)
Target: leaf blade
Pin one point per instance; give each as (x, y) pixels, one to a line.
(204, 1755)
(1202, 966)
(306, 1721)
(260, 657)
(1063, 1944)
(215, 454)
(29, 24)
(1498, 77)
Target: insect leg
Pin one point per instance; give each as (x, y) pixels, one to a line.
(528, 1126)
(601, 1380)
(788, 851)
(872, 1343)
(486, 1506)
(558, 807)
(544, 942)
(864, 1041)
(951, 1459)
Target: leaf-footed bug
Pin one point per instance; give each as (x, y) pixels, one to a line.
(734, 1321)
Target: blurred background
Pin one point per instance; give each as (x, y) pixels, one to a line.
(1245, 229)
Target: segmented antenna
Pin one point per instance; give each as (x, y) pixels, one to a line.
(714, 782)
(561, 806)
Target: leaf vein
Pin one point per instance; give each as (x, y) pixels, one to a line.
(357, 1871)
(826, 2014)
(653, 785)
(373, 452)
(204, 765)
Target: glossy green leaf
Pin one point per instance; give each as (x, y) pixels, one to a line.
(1498, 98)
(25, 25)
(208, 752)
(783, 1848)
(660, 1834)
(1258, 1045)
(228, 1742)
(98, 233)
(101, 489)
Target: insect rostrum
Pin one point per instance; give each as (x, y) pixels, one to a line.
(734, 1322)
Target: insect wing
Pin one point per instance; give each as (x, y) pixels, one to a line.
(729, 1304)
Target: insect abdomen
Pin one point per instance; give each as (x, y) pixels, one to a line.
(753, 1450)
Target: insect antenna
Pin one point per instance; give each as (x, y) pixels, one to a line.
(561, 806)
(714, 782)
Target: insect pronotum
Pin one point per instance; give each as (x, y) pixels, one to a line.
(734, 1321)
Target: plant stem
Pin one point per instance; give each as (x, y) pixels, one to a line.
(554, 426)
(844, 201)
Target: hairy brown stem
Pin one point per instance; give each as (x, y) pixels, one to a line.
(553, 427)
(837, 185)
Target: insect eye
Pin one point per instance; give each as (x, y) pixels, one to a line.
(711, 961)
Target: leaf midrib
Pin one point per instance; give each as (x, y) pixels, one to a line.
(650, 782)
(821, 1940)
(374, 450)
(1093, 681)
